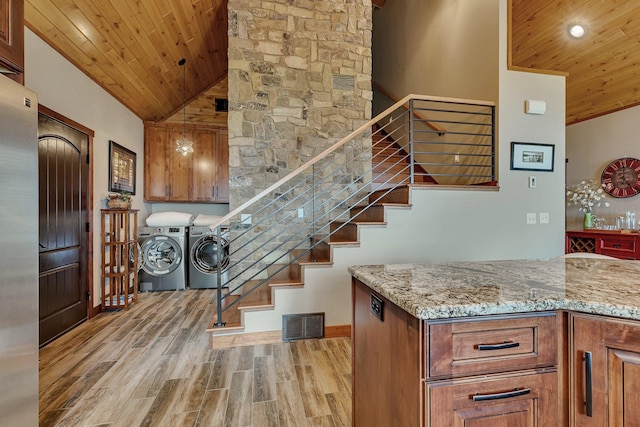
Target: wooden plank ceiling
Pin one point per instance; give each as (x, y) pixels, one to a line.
(131, 49)
(603, 67)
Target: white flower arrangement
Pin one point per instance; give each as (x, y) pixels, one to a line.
(587, 195)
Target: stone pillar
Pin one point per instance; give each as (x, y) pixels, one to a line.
(299, 81)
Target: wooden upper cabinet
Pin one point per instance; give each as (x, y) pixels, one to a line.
(12, 38)
(198, 177)
(155, 163)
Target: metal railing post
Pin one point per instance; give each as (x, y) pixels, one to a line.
(493, 143)
(313, 209)
(411, 143)
(219, 322)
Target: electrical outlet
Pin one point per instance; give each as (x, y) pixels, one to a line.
(544, 217)
(531, 218)
(532, 182)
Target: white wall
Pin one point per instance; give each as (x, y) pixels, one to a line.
(438, 47)
(591, 146)
(66, 90)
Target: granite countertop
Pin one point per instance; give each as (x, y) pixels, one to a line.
(461, 289)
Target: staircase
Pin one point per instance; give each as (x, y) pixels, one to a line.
(291, 274)
(298, 221)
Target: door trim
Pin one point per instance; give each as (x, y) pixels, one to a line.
(91, 311)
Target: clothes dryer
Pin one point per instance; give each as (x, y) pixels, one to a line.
(162, 254)
(203, 254)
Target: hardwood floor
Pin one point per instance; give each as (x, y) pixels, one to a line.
(153, 365)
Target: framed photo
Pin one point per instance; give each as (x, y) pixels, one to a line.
(528, 156)
(122, 169)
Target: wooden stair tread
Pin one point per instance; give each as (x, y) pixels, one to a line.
(319, 257)
(363, 223)
(344, 242)
(260, 297)
(289, 275)
(397, 195)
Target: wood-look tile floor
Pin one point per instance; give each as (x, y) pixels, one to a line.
(153, 365)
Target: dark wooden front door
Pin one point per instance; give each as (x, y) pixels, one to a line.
(63, 172)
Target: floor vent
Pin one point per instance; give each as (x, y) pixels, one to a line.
(302, 326)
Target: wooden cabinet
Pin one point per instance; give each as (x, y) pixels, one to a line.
(119, 258)
(387, 370)
(211, 166)
(202, 176)
(492, 370)
(12, 39)
(520, 399)
(482, 371)
(612, 243)
(604, 371)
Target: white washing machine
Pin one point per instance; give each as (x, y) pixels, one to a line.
(163, 255)
(203, 256)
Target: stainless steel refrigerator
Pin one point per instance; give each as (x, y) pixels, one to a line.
(18, 255)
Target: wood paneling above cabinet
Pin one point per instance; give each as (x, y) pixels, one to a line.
(201, 177)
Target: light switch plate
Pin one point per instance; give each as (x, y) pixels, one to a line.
(531, 218)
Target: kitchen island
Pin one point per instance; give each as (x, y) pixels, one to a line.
(512, 342)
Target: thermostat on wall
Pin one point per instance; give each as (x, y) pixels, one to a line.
(532, 106)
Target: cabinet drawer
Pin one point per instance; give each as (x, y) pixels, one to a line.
(490, 344)
(619, 247)
(523, 399)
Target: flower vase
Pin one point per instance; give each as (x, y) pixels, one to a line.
(588, 220)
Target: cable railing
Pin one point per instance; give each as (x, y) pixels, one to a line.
(432, 141)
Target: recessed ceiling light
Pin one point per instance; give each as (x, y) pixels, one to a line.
(577, 31)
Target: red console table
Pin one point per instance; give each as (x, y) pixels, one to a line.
(613, 243)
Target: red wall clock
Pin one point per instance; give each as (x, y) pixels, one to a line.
(621, 177)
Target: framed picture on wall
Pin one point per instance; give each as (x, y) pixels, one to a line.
(122, 168)
(528, 156)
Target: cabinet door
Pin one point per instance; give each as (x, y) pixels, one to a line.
(204, 167)
(156, 187)
(517, 400)
(211, 166)
(12, 36)
(180, 167)
(605, 368)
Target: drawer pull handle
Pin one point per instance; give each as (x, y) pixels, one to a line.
(501, 346)
(617, 245)
(588, 379)
(505, 395)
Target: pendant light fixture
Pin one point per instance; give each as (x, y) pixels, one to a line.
(184, 146)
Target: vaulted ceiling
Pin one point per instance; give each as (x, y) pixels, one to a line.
(603, 68)
(132, 48)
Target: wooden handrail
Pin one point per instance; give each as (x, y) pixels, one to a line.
(225, 219)
(386, 93)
